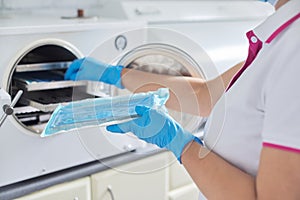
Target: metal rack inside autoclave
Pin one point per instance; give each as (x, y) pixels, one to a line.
(40, 74)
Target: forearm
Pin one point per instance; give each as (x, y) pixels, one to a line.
(215, 177)
(187, 94)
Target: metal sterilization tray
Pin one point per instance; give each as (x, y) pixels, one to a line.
(44, 80)
(48, 100)
(42, 66)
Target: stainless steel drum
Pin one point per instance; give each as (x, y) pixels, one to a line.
(165, 59)
(39, 72)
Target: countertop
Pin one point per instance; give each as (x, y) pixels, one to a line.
(31, 24)
(32, 185)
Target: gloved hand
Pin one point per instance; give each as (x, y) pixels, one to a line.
(91, 69)
(157, 127)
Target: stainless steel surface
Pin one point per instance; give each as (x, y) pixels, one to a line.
(48, 100)
(9, 109)
(42, 66)
(44, 80)
(165, 59)
(161, 59)
(3, 118)
(16, 98)
(50, 107)
(29, 82)
(25, 109)
(49, 85)
(39, 71)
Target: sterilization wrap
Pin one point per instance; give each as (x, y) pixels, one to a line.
(101, 111)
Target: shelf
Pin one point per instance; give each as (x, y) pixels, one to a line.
(42, 66)
(48, 100)
(45, 80)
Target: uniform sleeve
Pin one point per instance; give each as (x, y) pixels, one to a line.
(282, 105)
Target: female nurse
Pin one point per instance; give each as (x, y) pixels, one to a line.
(251, 148)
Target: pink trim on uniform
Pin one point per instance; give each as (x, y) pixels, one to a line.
(282, 27)
(254, 47)
(280, 147)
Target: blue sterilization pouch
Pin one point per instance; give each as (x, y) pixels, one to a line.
(101, 111)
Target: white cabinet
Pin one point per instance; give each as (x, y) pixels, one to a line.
(157, 177)
(181, 185)
(188, 192)
(75, 190)
(145, 179)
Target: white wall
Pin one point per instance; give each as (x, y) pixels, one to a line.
(42, 4)
(68, 8)
(48, 7)
(36, 4)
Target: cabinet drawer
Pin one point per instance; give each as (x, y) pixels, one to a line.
(75, 190)
(143, 179)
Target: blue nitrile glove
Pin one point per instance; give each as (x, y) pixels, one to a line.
(157, 127)
(91, 69)
(272, 2)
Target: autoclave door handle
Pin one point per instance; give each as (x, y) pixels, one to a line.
(9, 109)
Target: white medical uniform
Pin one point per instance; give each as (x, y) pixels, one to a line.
(261, 108)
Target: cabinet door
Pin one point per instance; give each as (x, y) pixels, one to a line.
(75, 190)
(178, 175)
(188, 192)
(143, 179)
